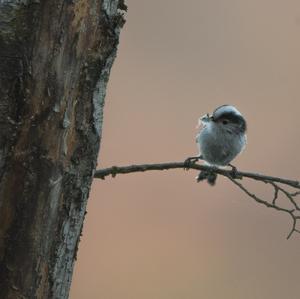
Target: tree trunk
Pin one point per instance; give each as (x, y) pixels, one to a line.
(55, 59)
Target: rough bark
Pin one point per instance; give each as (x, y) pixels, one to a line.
(55, 59)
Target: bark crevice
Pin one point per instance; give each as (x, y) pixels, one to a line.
(55, 60)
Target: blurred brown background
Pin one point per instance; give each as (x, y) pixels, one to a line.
(160, 235)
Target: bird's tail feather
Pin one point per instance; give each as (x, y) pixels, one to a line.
(209, 176)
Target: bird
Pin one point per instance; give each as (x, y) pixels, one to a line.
(221, 138)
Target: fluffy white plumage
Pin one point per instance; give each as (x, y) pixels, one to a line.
(221, 138)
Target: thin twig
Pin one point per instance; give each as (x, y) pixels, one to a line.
(259, 200)
(276, 191)
(233, 176)
(114, 170)
(273, 204)
(295, 193)
(287, 194)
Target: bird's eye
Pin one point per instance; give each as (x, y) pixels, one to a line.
(224, 122)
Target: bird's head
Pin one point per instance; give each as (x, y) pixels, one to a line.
(226, 117)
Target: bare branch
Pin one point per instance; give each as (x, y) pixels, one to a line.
(259, 200)
(276, 191)
(114, 170)
(295, 193)
(233, 176)
(273, 204)
(286, 193)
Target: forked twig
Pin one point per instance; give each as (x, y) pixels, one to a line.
(276, 182)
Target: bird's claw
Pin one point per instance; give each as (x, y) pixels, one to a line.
(189, 161)
(233, 172)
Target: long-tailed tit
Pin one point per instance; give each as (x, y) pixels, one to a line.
(221, 138)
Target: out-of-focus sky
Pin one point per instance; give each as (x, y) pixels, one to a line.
(160, 235)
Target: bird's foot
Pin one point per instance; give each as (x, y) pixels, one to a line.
(191, 160)
(233, 172)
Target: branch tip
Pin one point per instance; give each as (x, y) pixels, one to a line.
(233, 177)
